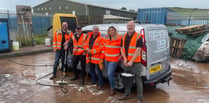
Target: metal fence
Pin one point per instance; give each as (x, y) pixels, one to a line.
(188, 18)
(40, 23)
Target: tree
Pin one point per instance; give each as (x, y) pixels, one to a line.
(124, 8)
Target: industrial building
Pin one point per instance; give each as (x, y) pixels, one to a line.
(84, 12)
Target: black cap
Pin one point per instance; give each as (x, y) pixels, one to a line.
(78, 27)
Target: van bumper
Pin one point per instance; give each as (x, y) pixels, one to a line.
(166, 77)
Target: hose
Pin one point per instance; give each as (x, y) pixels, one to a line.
(63, 89)
(34, 65)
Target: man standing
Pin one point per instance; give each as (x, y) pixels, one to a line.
(77, 41)
(60, 37)
(93, 46)
(131, 51)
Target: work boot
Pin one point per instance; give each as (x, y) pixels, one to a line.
(74, 78)
(139, 101)
(124, 97)
(112, 92)
(52, 77)
(82, 81)
(100, 88)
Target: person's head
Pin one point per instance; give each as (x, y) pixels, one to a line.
(95, 30)
(112, 31)
(131, 27)
(78, 30)
(64, 26)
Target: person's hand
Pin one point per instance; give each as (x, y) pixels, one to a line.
(88, 51)
(125, 62)
(130, 63)
(55, 50)
(66, 47)
(84, 53)
(120, 58)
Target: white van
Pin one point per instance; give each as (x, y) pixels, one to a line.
(155, 52)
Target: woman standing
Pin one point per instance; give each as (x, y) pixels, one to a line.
(111, 55)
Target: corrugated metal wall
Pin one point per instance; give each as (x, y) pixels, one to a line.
(152, 15)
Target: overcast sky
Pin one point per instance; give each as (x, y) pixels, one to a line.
(130, 4)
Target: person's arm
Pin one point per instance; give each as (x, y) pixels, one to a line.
(55, 42)
(99, 49)
(103, 51)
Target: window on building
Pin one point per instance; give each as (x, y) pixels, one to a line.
(66, 7)
(50, 8)
(42, 9)
(38, 9)
(107, 12)
(45, 8)
(60, 8)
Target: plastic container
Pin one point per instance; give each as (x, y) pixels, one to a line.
(128, 79)
(47, 41)
(15, 45)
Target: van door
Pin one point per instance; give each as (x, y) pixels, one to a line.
(158, 50)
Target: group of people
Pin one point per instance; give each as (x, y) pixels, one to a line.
(94, 49)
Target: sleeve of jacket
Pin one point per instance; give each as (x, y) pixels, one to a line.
(99, 49)
(103, 50)
(86, 43)
(55, 40)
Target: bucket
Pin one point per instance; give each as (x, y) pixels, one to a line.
(128, 79)
(15, 45)
(47, 41)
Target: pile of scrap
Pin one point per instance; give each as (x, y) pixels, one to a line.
(194, 30)
(176, 47)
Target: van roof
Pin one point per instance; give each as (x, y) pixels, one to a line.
(63, 15)
(121, 27)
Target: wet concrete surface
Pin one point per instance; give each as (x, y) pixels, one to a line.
(190, 84)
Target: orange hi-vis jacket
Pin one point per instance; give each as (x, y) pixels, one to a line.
(78, 46)
(57, 40)
(96, 49)
(132, 47)
(111, 49)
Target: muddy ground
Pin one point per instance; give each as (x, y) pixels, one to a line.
(190, 84)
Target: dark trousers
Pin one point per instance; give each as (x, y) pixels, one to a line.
(60, 54)
(93, 69)
(82, 59)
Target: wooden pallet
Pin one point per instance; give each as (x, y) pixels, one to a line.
(194, 30)
(176, 47)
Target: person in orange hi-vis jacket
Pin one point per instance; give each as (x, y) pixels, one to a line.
(93, 47)
(111, 55)
(132, 43)
(59, 40)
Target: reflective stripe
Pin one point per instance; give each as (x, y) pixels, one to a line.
(54, 42)
(137, 36)
(132, 47)
(94, 51)
(112, 55)
(96, 44)
(131, 54)
(92, 58)
(112, 46)
(58, 43)
(77, 49)
(103, 51)
(58, 46)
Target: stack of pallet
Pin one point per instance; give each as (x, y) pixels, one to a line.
(194, 30)
(176, 47)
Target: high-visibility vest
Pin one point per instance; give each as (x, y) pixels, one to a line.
(57, 40)
(111, 50)
(78, 46)
(132, 47)
(96, 49)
